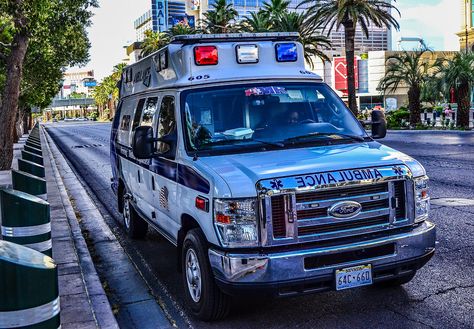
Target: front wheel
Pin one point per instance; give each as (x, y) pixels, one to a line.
(135, 226)
(202, 295)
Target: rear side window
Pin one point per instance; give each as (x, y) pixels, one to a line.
(126, 116)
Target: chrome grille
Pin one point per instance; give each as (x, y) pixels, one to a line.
(382, 205)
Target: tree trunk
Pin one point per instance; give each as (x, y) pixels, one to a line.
(11, 93)
(349, 34)
(414, 105)
(464, 105)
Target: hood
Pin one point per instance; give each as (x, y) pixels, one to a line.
(241, 172)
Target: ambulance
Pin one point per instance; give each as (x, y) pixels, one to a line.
(259, 174)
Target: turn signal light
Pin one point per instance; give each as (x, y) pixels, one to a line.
(206, 55)
(223, 219)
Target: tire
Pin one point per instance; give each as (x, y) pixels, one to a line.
(134, 225)
(202, 296)
(396, 282)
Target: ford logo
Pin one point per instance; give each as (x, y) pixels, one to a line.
(345, 209)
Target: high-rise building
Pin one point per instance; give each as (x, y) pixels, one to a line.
(161, 16)
(466, 35)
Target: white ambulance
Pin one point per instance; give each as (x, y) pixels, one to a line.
(260, 175)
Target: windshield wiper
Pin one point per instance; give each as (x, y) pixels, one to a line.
(241, 141)
(316, 134)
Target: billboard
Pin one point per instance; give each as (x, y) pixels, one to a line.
(90, 84)
(159, 15)
(181, 19)
(340, 74)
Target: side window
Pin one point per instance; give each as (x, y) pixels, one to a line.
(149, 111)
(166, 121)
(138, 114)
(125, 121)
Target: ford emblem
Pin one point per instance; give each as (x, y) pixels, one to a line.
(345, 209)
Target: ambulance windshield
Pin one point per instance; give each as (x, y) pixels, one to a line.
(231, 118)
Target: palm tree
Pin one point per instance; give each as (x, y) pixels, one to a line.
(312, 42)
(153, 41)
(181, 29)
(220, 19)
(275, 8)
(458, 73)
(256, 22)
(330, 14)
(411, 70)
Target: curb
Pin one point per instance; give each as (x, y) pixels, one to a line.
(98, 300)
(137, 307)
(454, 132)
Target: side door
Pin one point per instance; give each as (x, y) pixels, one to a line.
(164, 169)
(146, 185)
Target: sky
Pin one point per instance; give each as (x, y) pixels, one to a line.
(436, 21)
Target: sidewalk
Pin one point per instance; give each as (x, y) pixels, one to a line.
(133, 303)
(84, 303)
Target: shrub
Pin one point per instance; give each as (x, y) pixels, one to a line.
(397, 118)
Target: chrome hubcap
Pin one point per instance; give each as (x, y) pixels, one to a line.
(126, 213)
(193, 275)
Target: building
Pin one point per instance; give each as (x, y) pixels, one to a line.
(142, 24)
(161, 16)
(466, 35)
(77, 82)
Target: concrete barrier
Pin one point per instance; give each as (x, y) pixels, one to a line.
(28, 289)
(31, 168)
(28, 183)
(25, 220)
(32, 157)
(33, 150)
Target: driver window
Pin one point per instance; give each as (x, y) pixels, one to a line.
(149, 111)
(166, 122)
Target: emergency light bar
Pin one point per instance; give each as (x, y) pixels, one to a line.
(202, 38)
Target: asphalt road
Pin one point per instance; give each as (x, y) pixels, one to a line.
(440, 296)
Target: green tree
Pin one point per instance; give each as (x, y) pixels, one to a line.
(458, 73)
(41, 29)
(410, 70)
(181, 29)
(330, 14)
(257, 22)
(312, 42)
(275, 8)
(153, 41)
(220, 19)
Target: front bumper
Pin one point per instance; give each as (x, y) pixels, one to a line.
(290, 273)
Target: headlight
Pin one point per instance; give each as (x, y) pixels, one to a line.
(422, 199)
(236, 222)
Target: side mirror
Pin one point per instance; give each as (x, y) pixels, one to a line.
(379, 124)
(143, 142)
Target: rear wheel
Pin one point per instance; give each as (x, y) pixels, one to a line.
(396, 282)
(135, 226)
(203, 297)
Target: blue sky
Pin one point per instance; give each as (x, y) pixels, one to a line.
(436, 21)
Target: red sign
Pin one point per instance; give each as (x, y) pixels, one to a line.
(340, 74)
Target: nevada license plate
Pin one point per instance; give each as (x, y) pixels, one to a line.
(353, 277)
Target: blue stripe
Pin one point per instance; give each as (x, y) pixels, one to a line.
(171, 170)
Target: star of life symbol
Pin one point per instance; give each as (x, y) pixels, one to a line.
(398, 170)
(276, 184)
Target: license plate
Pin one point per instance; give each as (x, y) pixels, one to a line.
(353, 277)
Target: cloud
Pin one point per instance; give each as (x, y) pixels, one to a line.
(437, 23)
